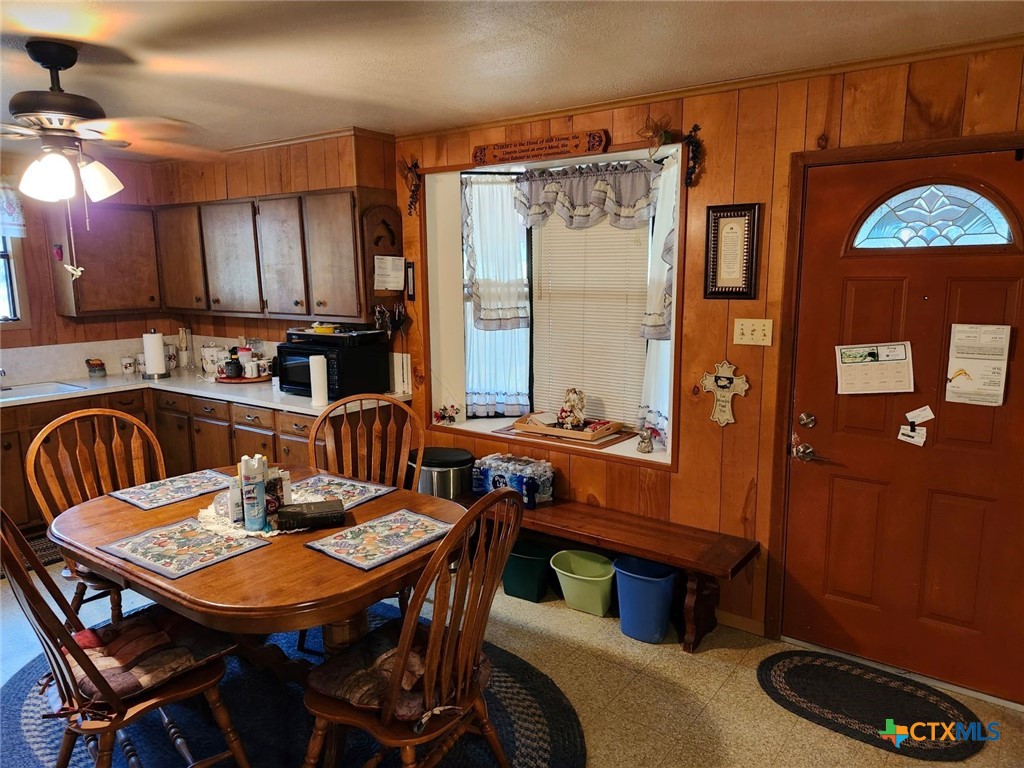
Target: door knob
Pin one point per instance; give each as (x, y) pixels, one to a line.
(805, 452)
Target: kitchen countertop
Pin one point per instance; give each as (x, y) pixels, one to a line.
(264, 394)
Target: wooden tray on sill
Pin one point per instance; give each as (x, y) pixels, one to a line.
(532, 424)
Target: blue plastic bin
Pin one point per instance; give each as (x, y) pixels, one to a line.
(645, 598)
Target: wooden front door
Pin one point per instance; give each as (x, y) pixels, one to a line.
(910, 556)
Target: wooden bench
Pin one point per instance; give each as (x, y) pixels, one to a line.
(705, 556)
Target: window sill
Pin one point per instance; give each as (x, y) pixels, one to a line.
(626, 450)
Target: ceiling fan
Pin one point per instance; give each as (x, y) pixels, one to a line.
(66, 123)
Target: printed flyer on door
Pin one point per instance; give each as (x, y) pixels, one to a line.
(977, 364)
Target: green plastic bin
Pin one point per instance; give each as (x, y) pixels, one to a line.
(586, 580)
(527, 573)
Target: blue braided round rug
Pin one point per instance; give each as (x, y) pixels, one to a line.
(536, 723)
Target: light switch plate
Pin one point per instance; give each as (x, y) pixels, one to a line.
(755, 331)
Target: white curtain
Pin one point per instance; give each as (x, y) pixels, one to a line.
(497, 299)
(497, 370)
(494, 247)
(657, 323)
(12, 217)
(656, 395)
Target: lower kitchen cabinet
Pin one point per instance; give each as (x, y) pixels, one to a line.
(172, 430)
(250, 441)
(295, 450)
(12, 470)
(211, 442)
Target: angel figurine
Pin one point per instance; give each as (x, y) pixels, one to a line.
(571, 414)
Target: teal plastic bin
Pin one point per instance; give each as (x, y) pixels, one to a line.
(528, 571)
(586, 580)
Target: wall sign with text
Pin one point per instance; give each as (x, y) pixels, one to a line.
(730, 257)
(566, 145)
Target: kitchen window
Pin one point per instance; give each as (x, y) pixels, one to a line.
(583, 305)
(8, 286)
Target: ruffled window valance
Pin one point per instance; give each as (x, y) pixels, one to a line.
(585, 195)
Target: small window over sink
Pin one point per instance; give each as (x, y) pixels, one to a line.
(934, 215)
(8, 290)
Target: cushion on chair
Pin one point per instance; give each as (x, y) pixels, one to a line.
(146, 649)
(361, 674)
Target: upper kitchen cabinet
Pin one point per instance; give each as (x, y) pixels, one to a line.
(336, 282)
(282, 264)
(179, 243)
(116, 250)
(229, 239)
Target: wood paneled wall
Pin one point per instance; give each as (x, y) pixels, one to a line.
(357, 158)
(724, 481)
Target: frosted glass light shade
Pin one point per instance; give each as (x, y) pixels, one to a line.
(50, 178)
(98, 180)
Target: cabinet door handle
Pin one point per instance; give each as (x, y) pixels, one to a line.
(8, 446)
(251, 418)
(299, 427)
(181, 427)
(216, 301)
(298, 302)
(126, 402)
(263, 445)
(321, 303)
(199, 299)
(286, 450)
(152, 298)
(208, 409)
(198, 430)
(170, 403)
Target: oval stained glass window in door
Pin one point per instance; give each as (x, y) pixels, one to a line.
(934, 215)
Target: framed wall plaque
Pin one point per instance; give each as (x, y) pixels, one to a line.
(730, 258)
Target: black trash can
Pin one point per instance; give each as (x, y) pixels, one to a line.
(446, 472)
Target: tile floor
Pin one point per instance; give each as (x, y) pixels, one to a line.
(646, 706)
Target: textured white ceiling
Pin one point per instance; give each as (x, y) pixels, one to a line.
(248, 72)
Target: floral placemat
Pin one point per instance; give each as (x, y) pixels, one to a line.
(328, 488)
(159, 493)
(379, 541)
(181, 548)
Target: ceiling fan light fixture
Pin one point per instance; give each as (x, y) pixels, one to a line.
(98, 180)
(49, 178)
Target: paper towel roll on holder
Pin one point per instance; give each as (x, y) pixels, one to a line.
(153, 347)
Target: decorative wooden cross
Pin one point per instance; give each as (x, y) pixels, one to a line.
(724, 384)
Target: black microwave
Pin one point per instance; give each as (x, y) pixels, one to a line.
(351, 368)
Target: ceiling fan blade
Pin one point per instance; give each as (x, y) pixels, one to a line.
(9, 131)
(133, 128)
(88, 52)
(170, 150)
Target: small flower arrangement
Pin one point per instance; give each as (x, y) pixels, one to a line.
(446, 414)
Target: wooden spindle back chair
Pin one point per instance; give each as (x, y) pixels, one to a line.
(370, 438)
(463, 576)
(83, 455)
(101, 715)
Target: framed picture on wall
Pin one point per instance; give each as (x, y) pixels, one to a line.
(730, 257)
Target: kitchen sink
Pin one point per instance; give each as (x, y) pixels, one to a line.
(35, 390)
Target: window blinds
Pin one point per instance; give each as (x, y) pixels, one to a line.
(589, 297)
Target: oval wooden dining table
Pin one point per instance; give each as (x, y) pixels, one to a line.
(277, 588)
